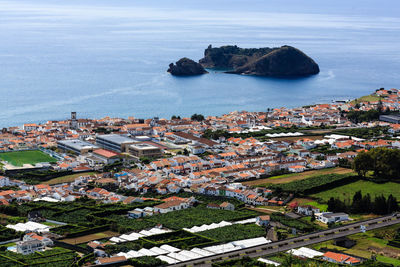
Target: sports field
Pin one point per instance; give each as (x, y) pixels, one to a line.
(346, 192)
(19, 158)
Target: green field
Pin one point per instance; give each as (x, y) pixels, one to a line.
(67, 178)
(198, 216)
(322, 207)
(290, 177)
(367, 243)
(346, 192)
(366, 98)
(19, 158)
(234, 232)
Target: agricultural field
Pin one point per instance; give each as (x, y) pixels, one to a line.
(84, 217)
(91, 237)
(346, 192)
(19, 158)
(234, 232)
(287, 178)
(67, 178)
(269, 209)
(197, 216)
(302, 226)
(57, 257)
(8, 234)
(126, 224)
(315, 183)
(74, 216)
(373, 242)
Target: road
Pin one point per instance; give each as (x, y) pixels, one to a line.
(300, 241)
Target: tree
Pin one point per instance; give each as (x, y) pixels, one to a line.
(362, 163)
(366, 204)
(385, 162)
(174, 117)
(331, 204)
(356, 206)
(145, 160)
(380, 205)
(197, 117)
(312, 216)
(215, 135)
(380, 106)
(186, 152)
(392, 204)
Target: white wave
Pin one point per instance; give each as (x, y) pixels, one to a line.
(324, 76)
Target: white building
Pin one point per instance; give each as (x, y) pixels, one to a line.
(307, 210)
(171, 206)
(30, 246)
(329, 217)
(4, 181)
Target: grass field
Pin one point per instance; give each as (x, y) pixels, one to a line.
(67, 178)
(367, 243)
(366, 98)
(286, 178)
(346, 192)
(91, 237)
(295, 138)
(19, 158)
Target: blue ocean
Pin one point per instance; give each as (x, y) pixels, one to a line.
(109, 58)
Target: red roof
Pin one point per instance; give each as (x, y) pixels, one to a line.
(105, 153)
(338, 257)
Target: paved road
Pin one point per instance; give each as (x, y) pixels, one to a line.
(305, 240)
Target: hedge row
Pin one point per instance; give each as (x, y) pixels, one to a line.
(87, 258)
(394, 243)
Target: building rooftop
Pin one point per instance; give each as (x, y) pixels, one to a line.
(77, 144)
(105, 153)
(116, 138)
(143, 146)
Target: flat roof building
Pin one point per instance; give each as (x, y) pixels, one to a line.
(144, 150)
(77, 146)
(114, 142)
(390, 118)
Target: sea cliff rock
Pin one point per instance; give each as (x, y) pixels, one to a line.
(186, 67)
(285, 61)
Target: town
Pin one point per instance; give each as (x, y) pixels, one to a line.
(157, 192)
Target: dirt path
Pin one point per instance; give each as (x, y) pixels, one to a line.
(265, 210)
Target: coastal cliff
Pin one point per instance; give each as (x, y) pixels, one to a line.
(186, 67)
(285, 61)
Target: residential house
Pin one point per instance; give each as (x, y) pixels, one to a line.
(263, 220)
(29, 246)
(227, 206)
(171, 206)
(340, 258)
(4, 181)
(110, 261)
(307, 210)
